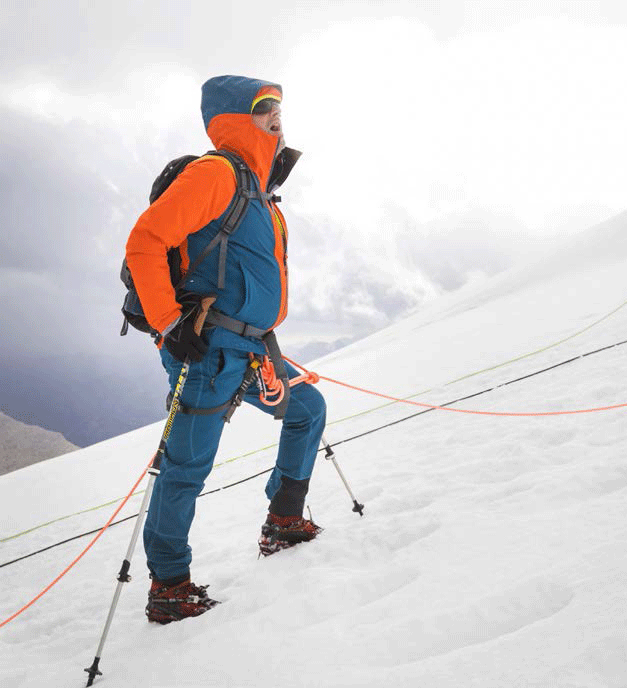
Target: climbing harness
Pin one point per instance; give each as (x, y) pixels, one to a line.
(269, 370)
(251, 373)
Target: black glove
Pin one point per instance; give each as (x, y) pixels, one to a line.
(183, 343)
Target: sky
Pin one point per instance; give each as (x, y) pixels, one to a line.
(443, 142)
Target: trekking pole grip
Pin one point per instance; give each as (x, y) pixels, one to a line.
(203, 310)
(205, 305)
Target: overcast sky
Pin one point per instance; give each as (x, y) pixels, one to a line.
(442, 140)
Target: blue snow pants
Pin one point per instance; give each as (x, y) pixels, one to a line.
(193, 443)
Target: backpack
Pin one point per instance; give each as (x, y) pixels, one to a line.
(132, 308)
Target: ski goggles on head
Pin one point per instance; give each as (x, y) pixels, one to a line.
(266, 105)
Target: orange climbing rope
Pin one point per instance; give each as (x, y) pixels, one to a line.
(273, 385)
(311, 377)
(83, 553)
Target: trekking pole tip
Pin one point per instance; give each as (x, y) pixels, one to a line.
(93, 671)
(358, 508)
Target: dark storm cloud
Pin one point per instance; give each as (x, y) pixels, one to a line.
(62, 241)
(50, 205)
(60, 217)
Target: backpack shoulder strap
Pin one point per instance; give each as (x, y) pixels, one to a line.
(169, 173)
(244, 191)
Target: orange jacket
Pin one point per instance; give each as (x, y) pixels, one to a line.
(199, 196)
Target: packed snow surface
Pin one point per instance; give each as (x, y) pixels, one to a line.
(492, 549)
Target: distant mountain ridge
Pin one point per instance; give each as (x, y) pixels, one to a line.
(22, 445)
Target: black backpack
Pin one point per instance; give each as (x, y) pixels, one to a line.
(132, 308)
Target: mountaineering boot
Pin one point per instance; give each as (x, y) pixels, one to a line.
(167, 602)
(281, 532)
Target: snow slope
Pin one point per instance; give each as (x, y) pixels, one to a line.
(492, 550)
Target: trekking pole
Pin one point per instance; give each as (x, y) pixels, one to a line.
(153, 471)
(330, 455)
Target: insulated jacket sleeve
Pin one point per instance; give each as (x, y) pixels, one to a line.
(200, 194)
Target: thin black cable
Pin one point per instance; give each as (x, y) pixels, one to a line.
(476, 394)
(122, 520)
(336, 444)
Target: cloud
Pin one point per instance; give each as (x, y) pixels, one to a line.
(529, 117)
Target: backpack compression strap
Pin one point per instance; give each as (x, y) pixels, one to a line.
(234, 215)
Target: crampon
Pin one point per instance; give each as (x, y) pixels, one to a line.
(176, 602)
(282, 532)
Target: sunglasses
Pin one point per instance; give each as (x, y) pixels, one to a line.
(263, 107)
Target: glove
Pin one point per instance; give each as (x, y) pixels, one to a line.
(183, 343)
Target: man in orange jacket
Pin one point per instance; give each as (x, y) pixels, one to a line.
(249, 281)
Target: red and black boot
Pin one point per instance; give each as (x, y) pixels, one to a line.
(281, 532)
(285, 526)
(168, 601)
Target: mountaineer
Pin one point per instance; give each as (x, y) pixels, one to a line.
(246, 271)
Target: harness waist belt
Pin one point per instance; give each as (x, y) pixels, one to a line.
(237, 326)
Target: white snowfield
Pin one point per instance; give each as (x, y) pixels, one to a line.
(491, 553)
